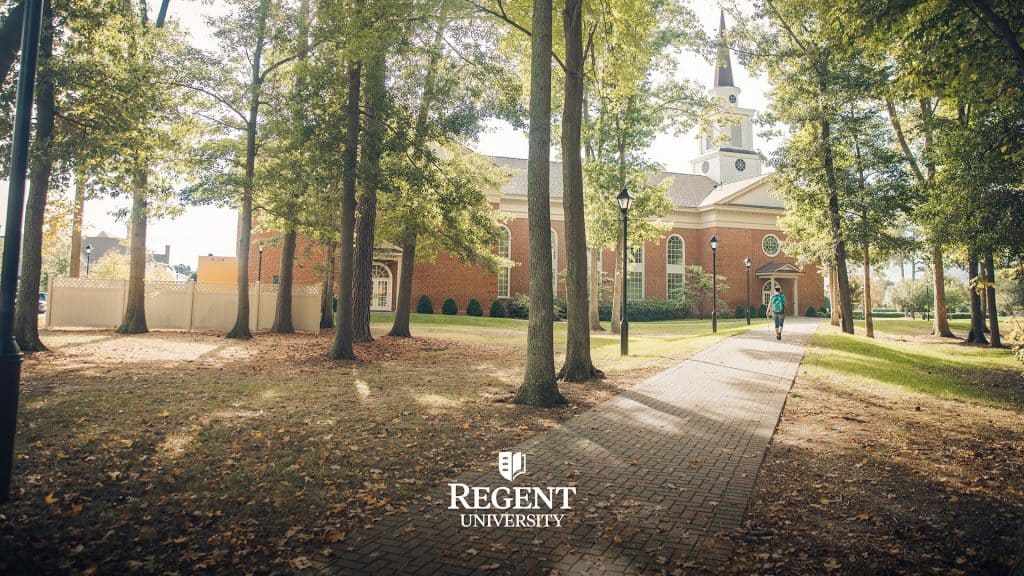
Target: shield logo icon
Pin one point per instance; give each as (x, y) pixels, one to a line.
(511, 464)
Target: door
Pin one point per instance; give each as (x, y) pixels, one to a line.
(381, 298)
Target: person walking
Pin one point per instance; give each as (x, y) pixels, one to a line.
(777, 309)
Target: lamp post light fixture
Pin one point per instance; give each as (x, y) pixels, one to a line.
(88, 258)
(714, 284)
(259, 265)
(746, 263)
(624, 199)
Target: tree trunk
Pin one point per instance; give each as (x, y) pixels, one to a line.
(595, 291)
(135, 311)
(940, 325)
(410, 233)
(578, 365)
(616, 318)
(342, 347)
(842, 276)
(400, 327)
(10, 39)
(869, 323)
(241, 328)
(26, 313)
(283, 307)
(977, 333)
(369, 172)
(540, 388)
(833, 295)
(995, 340)
(327, 295)
(75, 262)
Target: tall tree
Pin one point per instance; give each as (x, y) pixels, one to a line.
(540, 387)
(342, 347)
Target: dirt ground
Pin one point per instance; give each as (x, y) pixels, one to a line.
(182, 453)
(868, 478)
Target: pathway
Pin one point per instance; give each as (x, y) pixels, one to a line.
(663, 473)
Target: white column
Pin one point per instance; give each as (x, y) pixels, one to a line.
(796, 296)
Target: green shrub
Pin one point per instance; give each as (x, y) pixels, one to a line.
(960, 316)
(648, 310)
(824, 314)
(497, 309)
(559, 309)
(762, 310)
(474, 308)
(449, 307)
(424, 306)
(811, 312)
(886, 314)
(741, 311)
(519, 307)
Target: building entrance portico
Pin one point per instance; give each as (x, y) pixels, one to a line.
(786, 276)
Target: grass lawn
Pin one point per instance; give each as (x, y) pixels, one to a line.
(902, 454)
(187, 452)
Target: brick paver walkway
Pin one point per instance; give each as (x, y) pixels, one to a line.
(663, 474)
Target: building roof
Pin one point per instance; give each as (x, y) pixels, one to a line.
(728, 191)
(778, 267)
(103, 243)
(723, 72)
(686, 191)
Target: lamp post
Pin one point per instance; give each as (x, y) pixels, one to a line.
(259, 265)
(746, 263)
(88, 258)
(714, 284)
(624, 199)
(10, 354)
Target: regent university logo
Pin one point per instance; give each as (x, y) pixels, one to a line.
(510, 506)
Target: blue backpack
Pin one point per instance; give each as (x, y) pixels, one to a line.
(778, 303)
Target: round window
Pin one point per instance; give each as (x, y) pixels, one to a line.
(705, 167)
(741, 165)
(770, 245)
(732, 98)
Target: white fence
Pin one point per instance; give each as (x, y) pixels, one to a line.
(99, 303)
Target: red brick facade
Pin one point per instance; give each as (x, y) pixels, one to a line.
(448, 278)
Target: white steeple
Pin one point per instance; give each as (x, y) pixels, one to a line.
(726, 144)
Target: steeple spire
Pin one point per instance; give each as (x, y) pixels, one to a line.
(723, 70)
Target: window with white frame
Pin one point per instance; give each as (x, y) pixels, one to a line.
(675, 265)
(554, 262)
(771, 245)
(505, 273)
(635, 277)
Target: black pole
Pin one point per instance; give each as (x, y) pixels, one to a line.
(88, 258)
(259, 267)
(714, 290)
(10, 355)
(748, 295)
(624, 326)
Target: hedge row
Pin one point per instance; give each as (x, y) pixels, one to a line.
(649, 310)
(449, 307)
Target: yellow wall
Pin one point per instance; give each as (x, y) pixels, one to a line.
(217, 269)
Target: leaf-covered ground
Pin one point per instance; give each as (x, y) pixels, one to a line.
(903, 455)
(190, 453)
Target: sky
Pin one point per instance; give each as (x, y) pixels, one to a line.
(208, 230)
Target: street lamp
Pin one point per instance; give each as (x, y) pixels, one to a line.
(624, 199)
(10, 354)
(746, 263)
(88, 258)
(714, 284)
(259, 265)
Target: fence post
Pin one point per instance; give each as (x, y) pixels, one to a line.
(49, 300)
(191, 304)
(124, 301)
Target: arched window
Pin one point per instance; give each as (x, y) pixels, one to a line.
(675, 265)
(767, 291)
(380, 298)
(554, 262)
(771, 245)
(635, 278)
(504, 251)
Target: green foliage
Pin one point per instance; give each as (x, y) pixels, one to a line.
(811, 312)
(741, 311)
(449, 307)
(762, 311)
(474, 308)
(649, 310)
(498, 309)
(519, 306)
(424, 306)
(912, 296)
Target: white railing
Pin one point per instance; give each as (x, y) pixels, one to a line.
(171, 305)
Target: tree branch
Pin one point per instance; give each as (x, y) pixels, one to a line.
(503, 16)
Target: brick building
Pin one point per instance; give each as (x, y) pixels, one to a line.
(727, 196)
